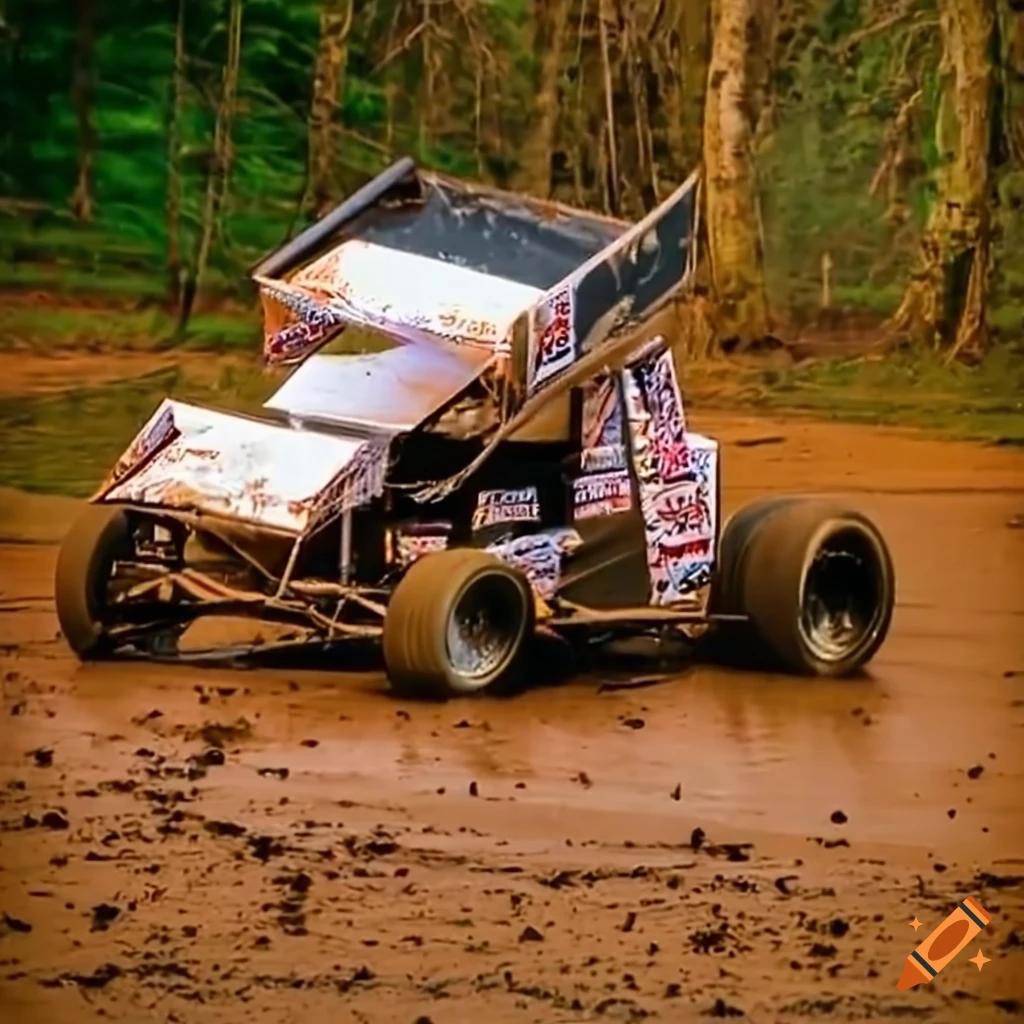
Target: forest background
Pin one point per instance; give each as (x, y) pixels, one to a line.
(863, 161)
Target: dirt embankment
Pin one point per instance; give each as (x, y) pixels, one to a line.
(197, 844)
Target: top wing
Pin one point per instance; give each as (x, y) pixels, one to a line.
(422, 257)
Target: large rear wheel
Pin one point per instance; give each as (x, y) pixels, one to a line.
(457, 624)
(815, 579)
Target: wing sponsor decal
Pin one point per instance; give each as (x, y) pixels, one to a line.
(553, 347)
(498, 508)
(677, 483)
(159, 432)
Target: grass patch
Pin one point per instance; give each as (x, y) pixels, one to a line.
(981, 403)
(65, 443)
(43, 328)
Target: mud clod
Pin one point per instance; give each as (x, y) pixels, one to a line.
(224, 828)
(103, 916)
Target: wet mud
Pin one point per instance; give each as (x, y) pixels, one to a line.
(186, 843)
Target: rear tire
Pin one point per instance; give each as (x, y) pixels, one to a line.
(816, 580)
(99, 536)
(457, 624)
(737, 535)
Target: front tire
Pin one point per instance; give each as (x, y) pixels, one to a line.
(815, 579)
(100, 536)
(457, 624)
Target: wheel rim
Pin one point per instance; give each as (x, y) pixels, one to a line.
(843, 601)
(485, 628)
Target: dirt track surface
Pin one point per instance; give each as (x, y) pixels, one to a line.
(194, 844)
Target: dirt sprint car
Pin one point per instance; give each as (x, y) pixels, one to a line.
(517, 461)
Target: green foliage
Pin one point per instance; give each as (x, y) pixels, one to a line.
(838, 89)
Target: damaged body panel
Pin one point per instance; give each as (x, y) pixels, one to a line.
(516, 458)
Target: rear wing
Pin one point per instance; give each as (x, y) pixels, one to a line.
(553, 294)
(610, 295)
(423, 258)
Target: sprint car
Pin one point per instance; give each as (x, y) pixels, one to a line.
(514, 460)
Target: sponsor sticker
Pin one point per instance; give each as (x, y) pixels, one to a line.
(603, 445)
(552, 337)
(496, 508)
(539, 557)
(602, 494)
(411, 547)
(415, 541)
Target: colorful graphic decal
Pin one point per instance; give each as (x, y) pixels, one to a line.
(424, 539)
(414, 297)
(677, 482)
(552, 337)
(603, 441)
(156, 434)
(602, 494)
(359, 482)
(661, 401)
(297, 323)
(539, 556)
(497, 508)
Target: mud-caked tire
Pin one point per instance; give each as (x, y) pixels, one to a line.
(458, 623)
(95, 541)
(816, 581)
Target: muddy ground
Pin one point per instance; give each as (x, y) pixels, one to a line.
(195, 844)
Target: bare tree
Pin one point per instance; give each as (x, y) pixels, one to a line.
(945, 303)
(83, 88)
(1012, 32)
(732, 108)
(328, 84)
(220, 164)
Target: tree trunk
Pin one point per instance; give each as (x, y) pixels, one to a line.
(220, 165)
(550, 20)
(604, 14)
(944, 304)
(1012, 31)
(683, 50)
(694, 56)
(82, 95)
(732, 207)
(174, 269)
(428, 85)
(328, 82)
